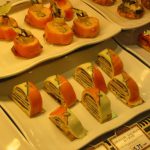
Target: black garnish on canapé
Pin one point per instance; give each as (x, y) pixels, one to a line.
(80, 13)
(22, 32)
(5, 16)
(35, 2)
(139, 11)
(132, 2)
(129, 1)
(5, 20)
(56, 12)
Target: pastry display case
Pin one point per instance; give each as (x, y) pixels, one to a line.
(63, 72)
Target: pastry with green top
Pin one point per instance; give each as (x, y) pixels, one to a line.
(110, 62)
(89, 75)
(60, 88)
(67, 122)
(97, 103)
(27, 96)
(124, 87)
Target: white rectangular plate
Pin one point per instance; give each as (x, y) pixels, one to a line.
(110, 12)
(11, 138)
(132, 45)
(108, 29)
(41, 132)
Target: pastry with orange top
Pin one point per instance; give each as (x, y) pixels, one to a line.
(61, 89)
(89, 75)
(85, 26)
(125, 89)
(27, 96)
(26, 44)
(68, 123)
(144, 40)
(97, 103)
(105, 2)
(38, 15)
(110, 62)
(7, 25)
(65, 7)
(131, 9)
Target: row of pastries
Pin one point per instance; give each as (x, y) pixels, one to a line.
(94, 96)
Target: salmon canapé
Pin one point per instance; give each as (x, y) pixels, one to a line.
(7, 25)
(38, 15)
(58, 32)
(26, 45)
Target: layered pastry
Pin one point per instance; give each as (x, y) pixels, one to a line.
(61, 89)
(58, 32)
(144, 40)
(28, 98)
(88, 75)
(85, 26)
(68, 123)
(110, 62)
(131, 9)
(26, 45)
(105, 2)
(97, 103)
(38, 15)
(125, 89)
(65, 7)
(7, 25)
(146, 3)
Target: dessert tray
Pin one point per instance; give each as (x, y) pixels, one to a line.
(132, 44)
(110, 12)
(10, 137)
(41, 132)
(18, 65)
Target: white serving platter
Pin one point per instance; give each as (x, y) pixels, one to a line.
(110, 12)
(129, 40)
(18, 65)
(41, 132)
(11, 138)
